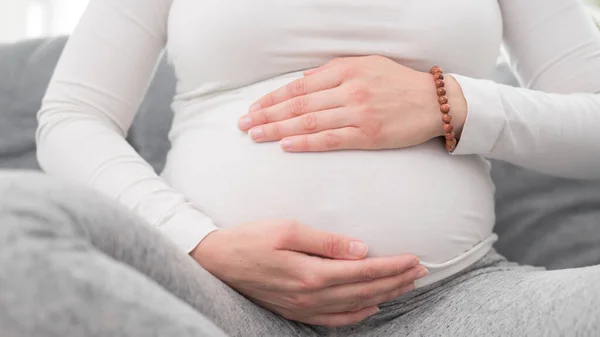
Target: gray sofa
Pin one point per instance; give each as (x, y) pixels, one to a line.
(541, 220)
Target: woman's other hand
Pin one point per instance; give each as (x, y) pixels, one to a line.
(304, 274)
(363, 103)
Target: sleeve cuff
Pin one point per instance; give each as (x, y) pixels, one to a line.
(485, 116)
(187, 227)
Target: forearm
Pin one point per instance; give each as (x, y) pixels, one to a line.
(552, 133)
(91, 102)
(84, 149)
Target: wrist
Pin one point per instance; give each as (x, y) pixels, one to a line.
(458, 104)
(434, 125)
(203, 249)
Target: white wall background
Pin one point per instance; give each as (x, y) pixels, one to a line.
(21, 19)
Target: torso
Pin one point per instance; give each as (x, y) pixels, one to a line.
(419, 200)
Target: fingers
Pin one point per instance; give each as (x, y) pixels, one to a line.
(335, 305)
(355, 296)
(313, 71)
(334, 62)
(305, 239)
(330, 319)
(297, 106)
(335, 272)
(355, 306)
(323, 80)
(329, 140)
(311, 122)
(342, 319)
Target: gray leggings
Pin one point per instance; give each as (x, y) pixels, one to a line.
(73, 263)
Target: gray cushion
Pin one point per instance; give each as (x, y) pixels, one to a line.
(546, 221)
(150, 128)
(541, 220)
(25, 69)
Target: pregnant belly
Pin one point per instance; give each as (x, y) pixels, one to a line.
(419, 200)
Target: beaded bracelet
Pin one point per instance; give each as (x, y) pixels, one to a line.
(438, 77)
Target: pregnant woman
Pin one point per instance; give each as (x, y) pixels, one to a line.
(326, 177)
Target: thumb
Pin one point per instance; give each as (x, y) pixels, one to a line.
(305, 239)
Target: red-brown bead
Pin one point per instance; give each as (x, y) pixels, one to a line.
(449, 134)
(447, 118)
(435, 70)
(445, 108)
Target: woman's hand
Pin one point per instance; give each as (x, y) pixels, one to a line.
(304, 274)
(364, 103)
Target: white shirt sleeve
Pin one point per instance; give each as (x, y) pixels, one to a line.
(90, 104)
(552, 124)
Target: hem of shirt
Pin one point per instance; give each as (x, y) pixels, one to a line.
(440, 271)
(485, 116)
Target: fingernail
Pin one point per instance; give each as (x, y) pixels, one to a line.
(245, 122)
(358, 249)
(374, 311)
(422, 273)
(255, 107)
(408, 288)
(286, 144)
(256, 133)
(413, 263)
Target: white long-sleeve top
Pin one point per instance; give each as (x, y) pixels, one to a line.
(228, 53)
